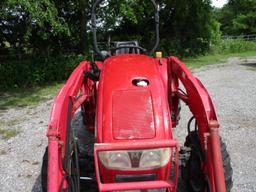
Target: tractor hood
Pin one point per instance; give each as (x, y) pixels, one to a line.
(132, 102)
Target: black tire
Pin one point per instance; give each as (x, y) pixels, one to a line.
(86, 160)
(86, 142)
(228, 171)
(44, 170)
(193, 179)
(86, 139)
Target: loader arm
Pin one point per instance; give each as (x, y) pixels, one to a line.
(76, 91)
(201, 106)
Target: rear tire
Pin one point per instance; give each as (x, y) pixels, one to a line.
(193, 178)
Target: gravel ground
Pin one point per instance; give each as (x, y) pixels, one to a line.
(20, 156)
(231, 85)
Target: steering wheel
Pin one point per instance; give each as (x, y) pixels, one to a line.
(129, 47)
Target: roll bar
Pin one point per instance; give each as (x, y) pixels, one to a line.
(94, 28)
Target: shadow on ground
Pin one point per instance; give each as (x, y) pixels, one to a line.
(249, 64)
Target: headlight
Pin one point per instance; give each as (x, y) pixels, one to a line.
(115, 159)
(135, 159)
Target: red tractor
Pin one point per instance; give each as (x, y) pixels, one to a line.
(129, 103)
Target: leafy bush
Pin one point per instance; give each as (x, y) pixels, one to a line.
(37, 71)
(233, 46)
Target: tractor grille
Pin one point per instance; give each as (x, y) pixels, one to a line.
(135, 178)
(132, 115)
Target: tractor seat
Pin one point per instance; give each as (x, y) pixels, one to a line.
(126, 49)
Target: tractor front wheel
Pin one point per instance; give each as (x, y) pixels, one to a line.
(194, 179)
(44, 171)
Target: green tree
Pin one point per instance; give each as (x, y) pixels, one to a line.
(30, 23)
(186, 25)
(238, 17)
(52, 26)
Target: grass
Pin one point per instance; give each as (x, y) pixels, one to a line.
(28, 97)
(193, 63)
(10, 122)
(9, 133)
(222, 51)
(6, 130)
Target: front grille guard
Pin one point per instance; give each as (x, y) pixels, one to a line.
(170, 184)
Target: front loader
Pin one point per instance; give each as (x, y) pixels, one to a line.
(110, 127)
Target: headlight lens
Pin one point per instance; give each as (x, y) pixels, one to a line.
(155, 158)
(115, 159)
(135, 159)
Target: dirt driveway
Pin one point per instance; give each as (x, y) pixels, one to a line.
(232, 86)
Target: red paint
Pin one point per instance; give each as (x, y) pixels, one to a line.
(113, 93)
(134, 120)
(162, 182)
(118, 72)
(217, 161)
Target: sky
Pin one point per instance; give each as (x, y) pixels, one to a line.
(219, 3)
